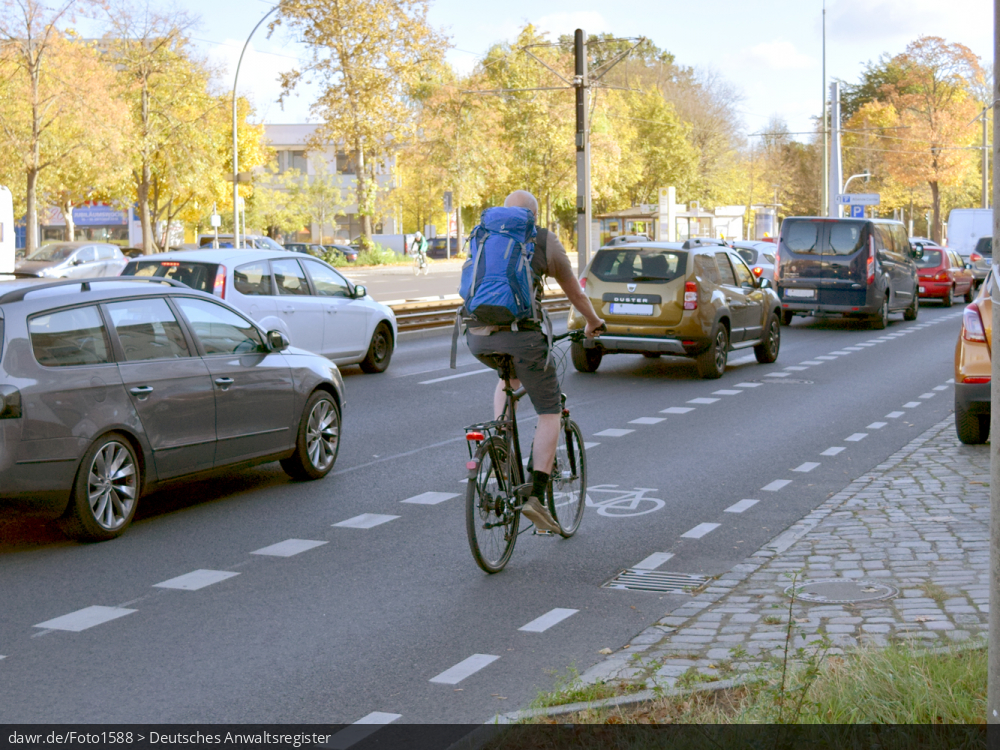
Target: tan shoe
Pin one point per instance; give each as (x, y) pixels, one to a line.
(539, 515)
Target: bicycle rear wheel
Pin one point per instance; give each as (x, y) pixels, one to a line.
(490, 522)
(568, 489)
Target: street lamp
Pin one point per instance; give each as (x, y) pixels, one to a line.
(236, 168)
(866, 174)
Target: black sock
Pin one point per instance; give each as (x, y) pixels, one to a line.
(539, 483)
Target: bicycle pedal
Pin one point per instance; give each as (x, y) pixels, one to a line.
(540, 532)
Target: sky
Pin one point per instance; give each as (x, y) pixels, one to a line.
(771, 52)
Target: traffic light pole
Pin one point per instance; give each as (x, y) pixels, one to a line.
(581, 81)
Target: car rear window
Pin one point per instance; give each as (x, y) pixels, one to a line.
(812, 237)
(648, 265)
(200, 276)
(931, 259)
(750, 256)
(985, 247)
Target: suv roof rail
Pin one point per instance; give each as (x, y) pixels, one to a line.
(694, 242)
(18, 294)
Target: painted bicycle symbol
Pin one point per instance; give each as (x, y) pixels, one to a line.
(623, 502)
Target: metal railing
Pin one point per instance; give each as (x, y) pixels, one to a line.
(422, 315)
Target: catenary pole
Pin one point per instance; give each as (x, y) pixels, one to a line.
(236, 166)
(826, 131)
(582, 83)
(993, 680)
(986, 162)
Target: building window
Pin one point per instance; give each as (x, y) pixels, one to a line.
(292, 160)
(347, 163)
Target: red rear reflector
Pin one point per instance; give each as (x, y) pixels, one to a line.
(871, 259)
(170, 263)
(583, 283)
(219, 288)
(972, 324)
(975, 380)
(471, 465)
(757, 270)
(690, 296)
(474, 436)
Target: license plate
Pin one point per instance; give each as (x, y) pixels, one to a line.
(989, 261)
(921, 289)
(624, 308)
(801, 293)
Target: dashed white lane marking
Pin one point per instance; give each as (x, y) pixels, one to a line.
(612, 432)
(588, 446)
(940, 388)
(654, 561)
(950, 380)
(749, 385)
(464, 668)
(359, 730)
(726, 393)
(833, 451)
(546, 621)
(876, 425)
(927, 395)
(866, 343)
(288, 548)
(677, 410)
(807, 466)
(856, 437)
(811, 362)
(741, 506)
(840, 353)
(895, 414)
(703, 401)
(826, 357)
(196, 579)
(776, 375)
(453, 377)
(85, 618)
(776, 485)
(648, 420)
(852, 348)
(911, 404)
(430, 498)
(365, 521)
(796, 368)
(700, 530)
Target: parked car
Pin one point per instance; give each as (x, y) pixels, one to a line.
(296, 247)
(943, 275)
(759, 256)
(72, 260)
(437, 247)
(114, 386)
(981, 258)
(307, 300)
(350, 253)
(973, 369)
(695, 299)
(247, 241)
(863, 268)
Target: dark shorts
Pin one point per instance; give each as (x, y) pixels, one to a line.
(529, 350)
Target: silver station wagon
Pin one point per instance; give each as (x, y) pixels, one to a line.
(110, 387)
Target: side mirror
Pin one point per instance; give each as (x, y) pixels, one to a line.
(917, 253)
(968, 266)
(277, 341)
(766, 284)
(360, 292)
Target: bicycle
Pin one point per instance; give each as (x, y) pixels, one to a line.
(420, 264)
(497, 472)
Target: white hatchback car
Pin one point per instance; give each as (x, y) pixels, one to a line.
(304, 298)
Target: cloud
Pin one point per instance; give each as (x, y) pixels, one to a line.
(895, 22)
(778, 55)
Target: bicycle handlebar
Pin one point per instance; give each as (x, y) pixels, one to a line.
(578, 334)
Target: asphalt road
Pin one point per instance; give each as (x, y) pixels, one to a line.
(396, 618)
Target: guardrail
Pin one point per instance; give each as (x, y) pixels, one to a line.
(426, 314)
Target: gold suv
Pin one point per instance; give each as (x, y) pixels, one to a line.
(697, 299)
(973, 369)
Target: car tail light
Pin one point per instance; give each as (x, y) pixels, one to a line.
(690, 296)
(170, 263)
(757, 270)
(975, 380)
(975, 257)
(941, 276)
(871, 260)
(972, 324)
(219, 288)
(10, 402)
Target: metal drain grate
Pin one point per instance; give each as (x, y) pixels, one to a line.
(662, 582)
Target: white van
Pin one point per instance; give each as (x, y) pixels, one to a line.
(6, 231)
(966, 226)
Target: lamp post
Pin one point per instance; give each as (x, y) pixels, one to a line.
(866, 175)
(236, 167)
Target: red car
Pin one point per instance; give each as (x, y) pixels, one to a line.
(943, 275)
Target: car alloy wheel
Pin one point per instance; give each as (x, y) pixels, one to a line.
(111, 486)
(322, 434)
(720, 350)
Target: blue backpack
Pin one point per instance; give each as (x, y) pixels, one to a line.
(498, 285)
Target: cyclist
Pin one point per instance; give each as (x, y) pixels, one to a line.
(418, 247)
(529, 350)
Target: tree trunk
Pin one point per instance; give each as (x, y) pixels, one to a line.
(364, 212)
(31, 215)
(459, 227)
(142, 194)
(67, 212)
(936, 229)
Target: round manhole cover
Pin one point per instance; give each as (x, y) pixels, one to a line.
(841, 591)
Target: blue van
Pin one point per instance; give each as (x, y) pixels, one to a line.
(863, 268)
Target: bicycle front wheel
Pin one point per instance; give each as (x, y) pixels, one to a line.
(568, 489)
(416, 266)
(490, 521)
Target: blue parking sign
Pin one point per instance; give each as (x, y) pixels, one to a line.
(857, 212)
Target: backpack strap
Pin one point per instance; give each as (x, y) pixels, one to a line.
(456, 332)
(480, 244)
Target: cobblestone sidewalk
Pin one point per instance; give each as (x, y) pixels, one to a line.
(918, 522)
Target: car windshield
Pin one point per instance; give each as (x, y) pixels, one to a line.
(200, 276)
(750, 256)
(985, 247)
(931, 259)
(639, 264)
(55, 251)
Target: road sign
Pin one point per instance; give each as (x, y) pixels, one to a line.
(857, 212)
(216, 220)
(448, 208)
(859, 199)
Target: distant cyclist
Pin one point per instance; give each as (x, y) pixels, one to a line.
(527, 345)
(418, 248)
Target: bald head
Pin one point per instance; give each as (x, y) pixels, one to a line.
(522, 199)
